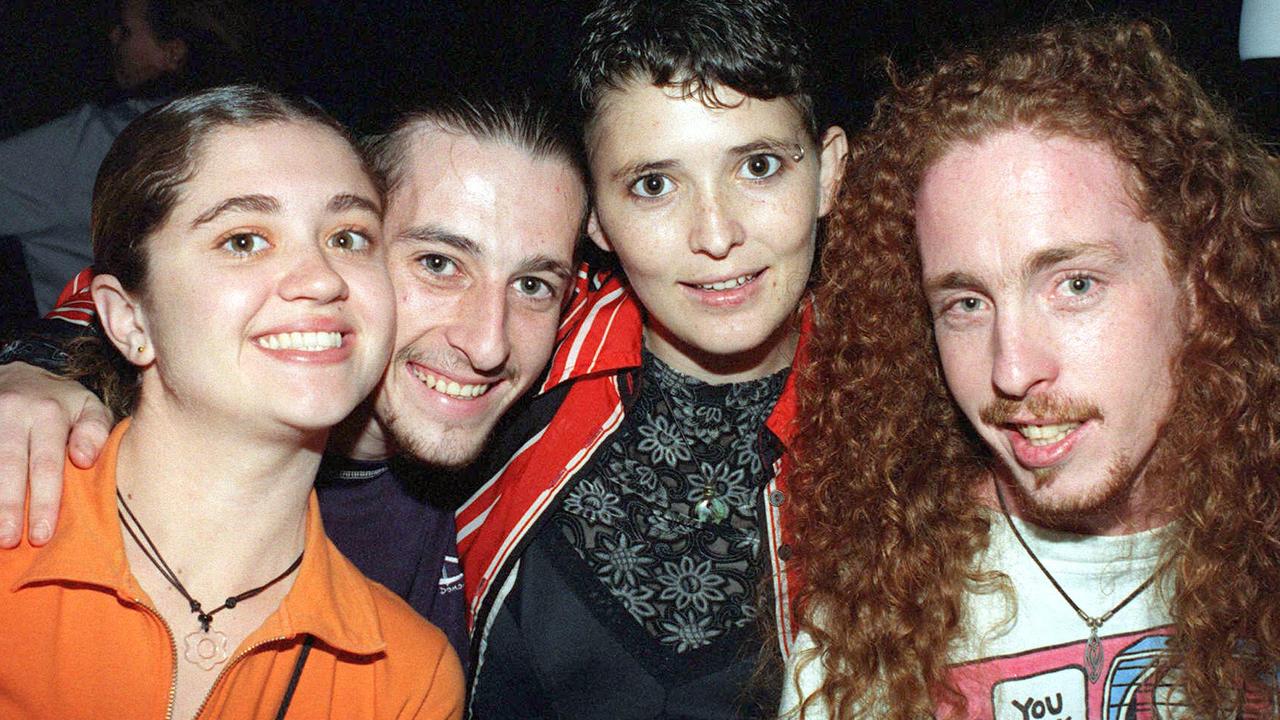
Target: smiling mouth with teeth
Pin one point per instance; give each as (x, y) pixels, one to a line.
(730, 284)
(303, 341)
(449, 387)
(1041, 435)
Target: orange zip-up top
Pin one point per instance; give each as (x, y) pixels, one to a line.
(80, 639)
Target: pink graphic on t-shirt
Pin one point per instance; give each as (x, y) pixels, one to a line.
(1051, 683)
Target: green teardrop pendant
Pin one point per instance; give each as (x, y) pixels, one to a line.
(711, 509)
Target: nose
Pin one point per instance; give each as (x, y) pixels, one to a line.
(1024, 357)
(715, 229)
(312, 277)
(479, 330)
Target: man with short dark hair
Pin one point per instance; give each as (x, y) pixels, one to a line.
(1040, 478)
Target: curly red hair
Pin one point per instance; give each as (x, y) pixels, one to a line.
(887, 524)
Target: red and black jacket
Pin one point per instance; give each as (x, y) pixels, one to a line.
(545, 445)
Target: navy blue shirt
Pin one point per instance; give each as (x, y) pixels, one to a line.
(388, 529)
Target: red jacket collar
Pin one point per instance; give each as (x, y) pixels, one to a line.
(603, 330)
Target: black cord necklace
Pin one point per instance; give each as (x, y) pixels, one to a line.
(205, 647)
(1093, 656)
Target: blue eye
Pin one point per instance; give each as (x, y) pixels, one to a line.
(1078, 286)
(968, 305)
(759, 167)
(349, 240)
(245, 243)
(652, 186)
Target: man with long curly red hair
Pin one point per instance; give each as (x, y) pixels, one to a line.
(1038, 476)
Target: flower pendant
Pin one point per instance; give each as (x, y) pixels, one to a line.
(206, 649)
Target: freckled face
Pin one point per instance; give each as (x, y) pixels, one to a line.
(267, 298)
(713, 219)
(1056, 318)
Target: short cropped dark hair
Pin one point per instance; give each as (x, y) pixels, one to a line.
(752, 46)
(510, 120)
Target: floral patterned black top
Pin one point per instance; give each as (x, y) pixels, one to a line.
(666, 520)
(650, 568)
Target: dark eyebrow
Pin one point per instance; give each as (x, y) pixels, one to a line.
(435, 235)
(546, 263)
(242, 203)
(781, 146)
(766, 144)
(642, 168)
(1049, 257)
(268, 204)
(952, 281)
(348, 201)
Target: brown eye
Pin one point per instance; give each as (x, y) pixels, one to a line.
(652, 186)
(349, 240)
(245, 244)
(758, 167)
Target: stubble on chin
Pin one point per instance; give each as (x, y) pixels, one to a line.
(427, 441)
(1081, 509)
(439, 447)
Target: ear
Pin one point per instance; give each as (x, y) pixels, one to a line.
(835, 149)
(175, 54)
(596, 233)
(122, 319)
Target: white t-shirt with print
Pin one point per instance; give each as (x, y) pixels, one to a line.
(1030, 664)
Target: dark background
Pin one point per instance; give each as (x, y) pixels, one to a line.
(364, 59)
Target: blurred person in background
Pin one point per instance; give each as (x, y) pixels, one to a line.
(160, 48)
(259, 210)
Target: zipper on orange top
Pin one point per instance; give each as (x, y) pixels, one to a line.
(173, 654)
(222, 673)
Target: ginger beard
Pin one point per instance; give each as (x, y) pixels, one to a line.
(1110, 496)
(1058, 292)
